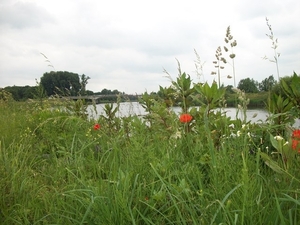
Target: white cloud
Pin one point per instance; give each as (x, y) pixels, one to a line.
(125, 45)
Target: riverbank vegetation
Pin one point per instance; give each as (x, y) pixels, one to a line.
(257, 95)
(58, 167)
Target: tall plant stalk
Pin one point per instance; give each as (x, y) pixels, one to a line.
(274, 46)
(219, 64)
(232, 43)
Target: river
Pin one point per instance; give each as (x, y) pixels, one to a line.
(134, 108)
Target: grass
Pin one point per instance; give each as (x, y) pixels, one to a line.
(56, 169)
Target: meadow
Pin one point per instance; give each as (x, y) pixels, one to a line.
(57, 166)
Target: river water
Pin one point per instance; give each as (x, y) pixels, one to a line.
(134, 108)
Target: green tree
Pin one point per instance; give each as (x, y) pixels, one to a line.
(267, 84)
(248, 85)
(61, 82)
(115, 92)
(83, 82)
(20, 93)
(105, 92)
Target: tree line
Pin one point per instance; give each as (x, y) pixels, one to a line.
(65, 83)
(61, 83)
(251, 86)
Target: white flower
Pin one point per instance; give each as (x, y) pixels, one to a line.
(176, 135)
(232, 135)
(278, 138)
(238, 133)
(286, 143)
(231, 126)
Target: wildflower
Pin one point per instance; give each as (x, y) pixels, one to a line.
(176, 135)
(238, 133)
(295, 145)
(96, 126)
(296, 140)
(249, 134)
(296, 134)
(278, 138)
(231, 126)
(233, 135)
(185, 118)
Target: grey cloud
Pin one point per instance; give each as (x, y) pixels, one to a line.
(24, 15)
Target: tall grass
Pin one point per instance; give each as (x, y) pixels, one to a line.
(55, 169)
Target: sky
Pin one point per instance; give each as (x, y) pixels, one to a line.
(127, 45)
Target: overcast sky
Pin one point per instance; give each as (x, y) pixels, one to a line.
(127, 44)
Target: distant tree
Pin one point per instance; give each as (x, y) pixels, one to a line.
(267, 84)
(61, 82)
(88, 92)
(116, 92)
(20, 93)
(83, 82)
(110, 92)
(248, 85)
(105, 92)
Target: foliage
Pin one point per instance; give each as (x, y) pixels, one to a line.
(20, 93)
(267, 84)
(210, 96)
(61, 82)
(83, 82)
(278, 89)
(281, 109)
(57, 167)
(285, 106)
(198, 166)
(248, 85)
(5, 96)
(108, 92)
(292, 90)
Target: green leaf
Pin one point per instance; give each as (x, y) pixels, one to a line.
(271, 163)
(274, 142)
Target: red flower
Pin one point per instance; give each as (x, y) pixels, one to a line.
(296, 134)
(294, 144)
(296, 140)
(185, 118)
(96, 126)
